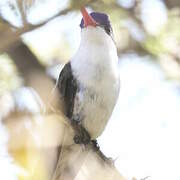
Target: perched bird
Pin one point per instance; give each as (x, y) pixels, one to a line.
(89, 83)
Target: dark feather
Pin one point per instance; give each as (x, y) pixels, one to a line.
(68, 86)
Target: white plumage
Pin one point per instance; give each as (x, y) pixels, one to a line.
(95, 66)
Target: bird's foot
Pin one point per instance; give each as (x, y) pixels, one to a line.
(82, 136)
(95, 145)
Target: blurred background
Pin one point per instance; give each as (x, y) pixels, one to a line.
(38, 36)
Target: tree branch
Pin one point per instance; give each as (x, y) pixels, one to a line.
(172, 3)
(22, 11)
(75, 159)
(12, 37)
(25, 61)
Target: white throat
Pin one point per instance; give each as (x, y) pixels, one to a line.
(96, 54)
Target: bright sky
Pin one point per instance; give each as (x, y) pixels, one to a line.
(143, 133)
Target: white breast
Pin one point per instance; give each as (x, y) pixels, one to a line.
(95, 67)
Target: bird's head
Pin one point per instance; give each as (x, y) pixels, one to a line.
(96, 26)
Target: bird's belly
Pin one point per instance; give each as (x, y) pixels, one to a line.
(97, 96)
(96, 119)
(95, 109)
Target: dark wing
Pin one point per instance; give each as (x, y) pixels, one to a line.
(67, 86)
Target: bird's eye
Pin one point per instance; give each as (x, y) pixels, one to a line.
(107, 29)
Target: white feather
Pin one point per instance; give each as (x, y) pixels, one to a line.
(95, 67)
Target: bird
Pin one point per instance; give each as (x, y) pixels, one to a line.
(89, 83)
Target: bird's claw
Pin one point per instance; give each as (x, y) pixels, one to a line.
(78, 139)
(95, 145)
(82, 136)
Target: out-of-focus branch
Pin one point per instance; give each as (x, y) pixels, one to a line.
(172, 3)
(12, 37)
(25, 61)
(5, 23)
(22, 11)
(33, 73)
